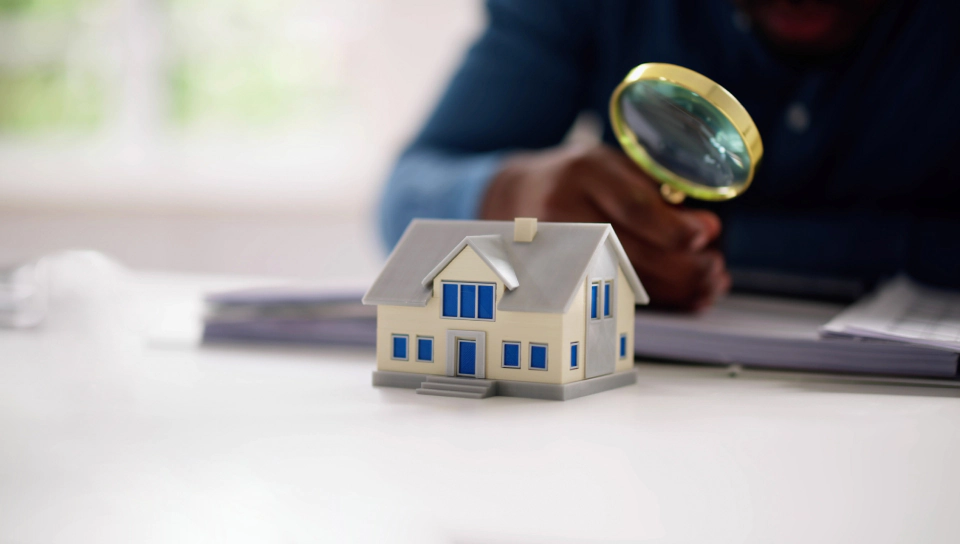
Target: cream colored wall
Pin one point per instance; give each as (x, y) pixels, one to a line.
(574, 326)
(524, 327)
(574, 330)
(413, 322)
(625, 319)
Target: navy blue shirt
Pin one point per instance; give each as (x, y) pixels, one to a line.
(861, 170)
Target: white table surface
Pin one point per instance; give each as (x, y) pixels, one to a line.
(109, 433)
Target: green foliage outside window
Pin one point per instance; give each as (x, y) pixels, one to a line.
(245, 72)
(48, 95)
(42, 7)
(245, 89)
(42, 98)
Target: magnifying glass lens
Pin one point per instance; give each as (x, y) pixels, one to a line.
(685, 136)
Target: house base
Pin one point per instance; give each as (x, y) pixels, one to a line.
(509, 388)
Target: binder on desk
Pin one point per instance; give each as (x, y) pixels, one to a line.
(781, 333)
(299, 315)
(750, 330)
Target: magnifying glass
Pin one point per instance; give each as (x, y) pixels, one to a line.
(687, 132)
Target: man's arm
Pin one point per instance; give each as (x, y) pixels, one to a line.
(520, 87)
(490, 150)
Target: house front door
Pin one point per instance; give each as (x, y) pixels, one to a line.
(466, 353)
(466, 357)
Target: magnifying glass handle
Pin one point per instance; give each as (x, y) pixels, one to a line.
(671, 195)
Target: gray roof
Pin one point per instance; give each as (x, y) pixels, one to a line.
(539, 284)
(491, 250)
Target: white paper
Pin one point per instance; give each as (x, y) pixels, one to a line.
(904, 311)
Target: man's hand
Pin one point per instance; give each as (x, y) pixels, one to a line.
(670, 247)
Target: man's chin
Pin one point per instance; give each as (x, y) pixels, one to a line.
(803, 31)
(813, 33)
(810, 27)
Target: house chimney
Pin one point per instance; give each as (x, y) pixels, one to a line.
(524, 229)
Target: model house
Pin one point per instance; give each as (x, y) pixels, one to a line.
(477, 308)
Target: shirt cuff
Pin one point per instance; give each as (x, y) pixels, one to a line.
(433, 184)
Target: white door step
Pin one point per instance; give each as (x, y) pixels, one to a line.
(454, 387)
(443, 393)
(459, 380)
(450, 386)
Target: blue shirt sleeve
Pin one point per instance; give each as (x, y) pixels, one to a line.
(520, 86)
(432, 182)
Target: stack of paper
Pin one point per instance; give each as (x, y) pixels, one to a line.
(293, 315)
(903, 311)
(780, 333)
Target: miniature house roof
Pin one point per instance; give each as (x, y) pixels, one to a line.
(542, 275)
(490, 248)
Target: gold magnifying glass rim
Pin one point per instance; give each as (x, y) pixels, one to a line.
(710, 91)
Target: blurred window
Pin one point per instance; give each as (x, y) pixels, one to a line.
(243, 104)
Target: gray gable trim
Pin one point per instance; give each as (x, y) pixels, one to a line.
(491, 251)
(639, 293)
(609, 236)
(552, 267)
(549, 270)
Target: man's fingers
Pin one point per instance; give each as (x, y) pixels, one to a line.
(681, 280)
(633, 202)
(709, 220)
(720, 287)
(685, 228)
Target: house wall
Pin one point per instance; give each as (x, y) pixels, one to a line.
(626, 316)
(574, 330)
(602, 332)
(574, 325)
(555, 330)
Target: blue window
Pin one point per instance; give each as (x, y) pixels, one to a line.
(538, 356)
(511, 354)
(468, 300)
(425, 349)
(400, 346)
(574, 362)
(450, 299)
(594, 294)
(607, 287)
(485, 301)
(623, 346)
